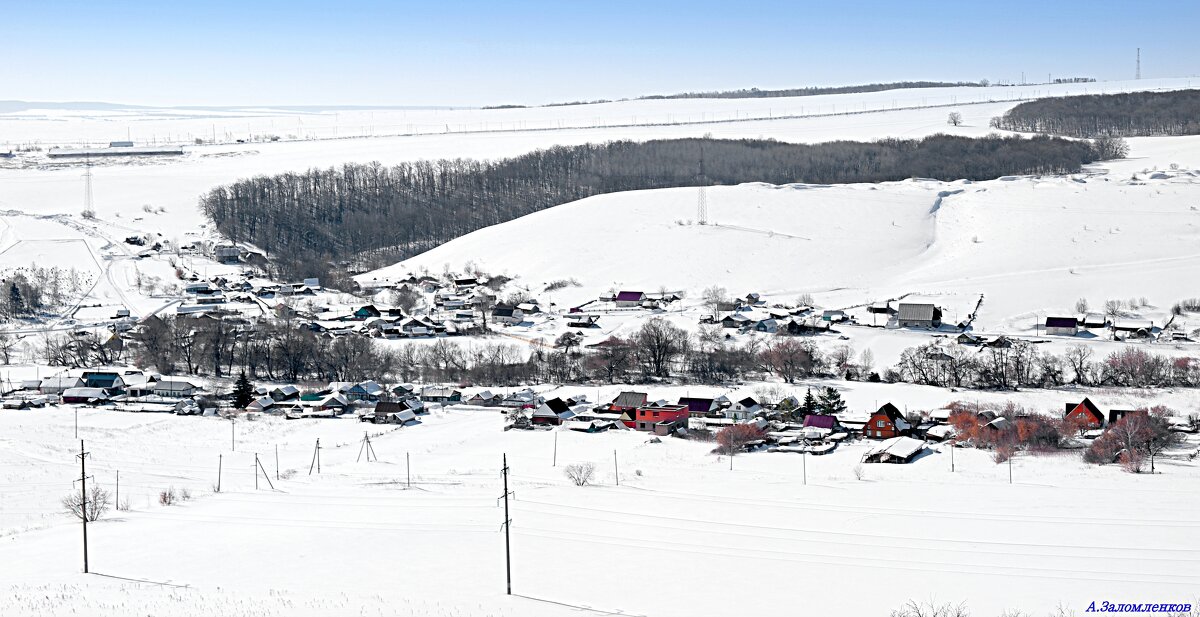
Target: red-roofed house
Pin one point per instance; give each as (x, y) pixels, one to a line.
(1086, 413)
(886, 423)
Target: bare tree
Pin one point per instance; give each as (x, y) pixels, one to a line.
(714, 297)
(954, 119)
(580, 473)
(659, 343)
(98, 502)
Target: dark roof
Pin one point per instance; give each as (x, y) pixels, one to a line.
(1060, 322)
(1088, 406)
(820, 421)
(503, 311)
(747, 402)
(630, 399)
(630, 296)
(891, 411)
(557, 405)
(699, 405)
(386, 407)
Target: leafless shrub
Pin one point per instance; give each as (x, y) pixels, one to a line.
(98, 501)
(185, 494)
(912, 608)
(168, 497)
(861, 474)
(580, 473)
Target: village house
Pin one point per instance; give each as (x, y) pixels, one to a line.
(699, 407)
(629, 299)
(85, 396)
(669, 417)
(440, 394)
(627, 404)
(508, 315)
(175, 388)
(1085, 414)
(1061, 326)
(59, 384)
(552, 412)
(110, 380)
(1094, 320)
(743, 409)
(885, 423)
(485, 398)
(1140, 328)
(910, 315)
(895, 450)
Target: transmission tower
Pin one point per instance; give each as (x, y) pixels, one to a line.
(88, 208)
(1138, 75)
(702, 201)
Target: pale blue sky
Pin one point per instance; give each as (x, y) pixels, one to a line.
(219, 52)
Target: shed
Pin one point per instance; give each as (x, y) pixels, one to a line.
(912, 315)
(895, 450)
(1061, 326)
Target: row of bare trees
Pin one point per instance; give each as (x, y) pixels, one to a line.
(1023, 364)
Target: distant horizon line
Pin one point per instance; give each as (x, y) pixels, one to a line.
(13, 105)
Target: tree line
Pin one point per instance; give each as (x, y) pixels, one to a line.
(1129, 114)
(360, 216)
(755, 93)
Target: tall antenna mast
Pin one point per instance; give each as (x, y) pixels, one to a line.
(1139, 64)
(88, 209)
(702, 201)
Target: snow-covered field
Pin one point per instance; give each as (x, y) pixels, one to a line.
(681, 535)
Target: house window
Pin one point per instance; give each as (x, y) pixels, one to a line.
(656, 414)
(880, 424)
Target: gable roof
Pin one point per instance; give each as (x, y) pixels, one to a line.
(699, 405)
(1086, 406)
(557, 405)
(630, 296)
(1060, 322)
(630, 399)
(891, 411)
(921, 312)
(816, 421)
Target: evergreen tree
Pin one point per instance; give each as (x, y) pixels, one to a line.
(809, 406)
(243, 392)
(16, 302)
(831, 402)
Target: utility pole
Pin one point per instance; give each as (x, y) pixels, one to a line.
(616, 468)
(83, 511)
(407, 470)
(220, 460)
(1010, 458)
(804, 466)
(118, 489)
(256, 471)
(276, 462)
(952, 457)
(1138, 75)
(554, 463)
(76, 423)
(316, 460)
(366, 447)
(507, 525)
(232, 435)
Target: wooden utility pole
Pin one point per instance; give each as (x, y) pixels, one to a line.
(83, 511)
(220, 460)
(507, 524)
(276, 462)
(554, 462)
(257, 468)
(316, 460)
(366, 447)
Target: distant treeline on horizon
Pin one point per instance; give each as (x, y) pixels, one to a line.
(325, 222)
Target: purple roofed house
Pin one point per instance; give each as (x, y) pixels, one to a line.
(815, 421)
(629, 298)
(698, 407)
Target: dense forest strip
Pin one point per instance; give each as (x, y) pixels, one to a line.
(1131, 114)
(360, 216)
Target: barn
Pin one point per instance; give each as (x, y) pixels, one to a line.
(1086, 413)
(1061, 326)
(910, 315)
(895, 450)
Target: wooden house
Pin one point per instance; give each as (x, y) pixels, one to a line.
(1085, 413)
(885, 423)
(913, 315)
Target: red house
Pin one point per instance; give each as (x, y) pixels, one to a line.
(649, 416)
(627, 404)
(886, 423)
(1085, 413)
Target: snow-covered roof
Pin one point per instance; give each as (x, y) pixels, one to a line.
(902, 447)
